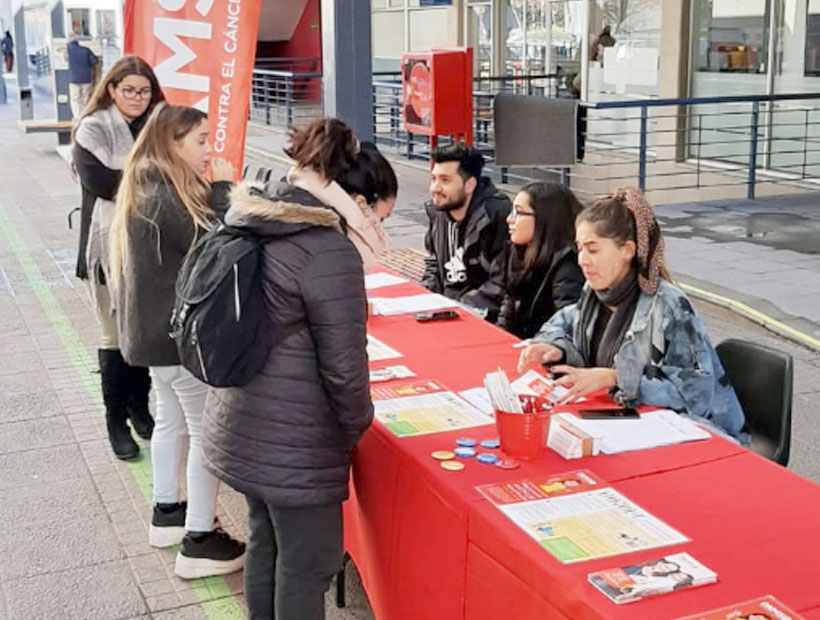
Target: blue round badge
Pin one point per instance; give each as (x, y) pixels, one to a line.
(464, 452)
(466, 442)
(487, 458)
(490, 444)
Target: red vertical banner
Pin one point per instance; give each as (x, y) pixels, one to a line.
(203, 53)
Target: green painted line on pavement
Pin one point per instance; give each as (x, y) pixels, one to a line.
(213, 592)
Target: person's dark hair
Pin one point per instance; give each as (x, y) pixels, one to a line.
(127, 65)
(555, 211)
(326, 145)
(613, 220)
(470, 160)
(372, 176)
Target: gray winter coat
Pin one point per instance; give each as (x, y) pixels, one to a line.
(157, 244)
(287, 437)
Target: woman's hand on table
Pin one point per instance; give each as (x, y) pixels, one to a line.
(583, 381)
(539, 353)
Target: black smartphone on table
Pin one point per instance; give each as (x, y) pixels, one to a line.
(440, 315)
(625, 413)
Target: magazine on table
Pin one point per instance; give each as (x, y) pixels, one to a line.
(626, 584)
(764, 608)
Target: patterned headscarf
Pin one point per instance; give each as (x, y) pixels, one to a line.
(649, 253)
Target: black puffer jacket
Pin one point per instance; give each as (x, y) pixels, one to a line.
(485, 236)
(541, 294)
(287, 437)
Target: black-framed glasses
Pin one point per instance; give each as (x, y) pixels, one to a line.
(129, 92)
(518, 213)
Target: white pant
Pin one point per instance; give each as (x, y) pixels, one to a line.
(78, 95)
(181, 404)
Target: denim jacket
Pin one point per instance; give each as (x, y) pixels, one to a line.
(666, 359)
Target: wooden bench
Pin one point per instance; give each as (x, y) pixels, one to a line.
(45, 126)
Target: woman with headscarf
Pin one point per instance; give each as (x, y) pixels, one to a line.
(633, 332)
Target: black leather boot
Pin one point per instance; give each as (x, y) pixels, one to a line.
(139, 386)
(113, 371)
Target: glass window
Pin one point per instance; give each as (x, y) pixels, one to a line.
(812, 51)
(479, 37)
(731, 35)
(80, 21)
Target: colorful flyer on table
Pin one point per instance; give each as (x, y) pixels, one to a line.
(504, 493)
(585, 524)
(626, 584)
(423, 407)
(416, 387)
(378, 351)
(765, 608)
(533, 383)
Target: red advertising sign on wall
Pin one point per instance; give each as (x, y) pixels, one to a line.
(203, 53)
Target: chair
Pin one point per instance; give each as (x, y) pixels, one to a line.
(763, 380)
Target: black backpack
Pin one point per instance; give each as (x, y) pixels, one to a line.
(220, 324)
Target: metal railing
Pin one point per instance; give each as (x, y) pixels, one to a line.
(660, 145)
(670, 145)
(285, 98)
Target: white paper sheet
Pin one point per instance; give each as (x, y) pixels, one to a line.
(651, 430)
(426, 302)
(377, 350)
(380, 280)
(480, 399)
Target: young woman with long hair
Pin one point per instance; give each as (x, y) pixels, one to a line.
(104, 135)
(542, 273)
(164, 203)
(633, 332)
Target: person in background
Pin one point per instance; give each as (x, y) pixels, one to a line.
(325, 151)
(163, 204)
(467, 233)
(81, 61)
(542, 274)
(602, 40)
(371, 181)
(633, 332)
(7, 47)
(104, 135)
(286, 439)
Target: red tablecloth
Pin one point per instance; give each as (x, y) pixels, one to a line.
(752, 522)
(428, 546)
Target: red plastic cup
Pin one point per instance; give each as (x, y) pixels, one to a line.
(522, 435)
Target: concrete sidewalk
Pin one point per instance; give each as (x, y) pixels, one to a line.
(73, 520)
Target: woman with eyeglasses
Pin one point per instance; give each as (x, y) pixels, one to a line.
(105, 133)
(542, 274)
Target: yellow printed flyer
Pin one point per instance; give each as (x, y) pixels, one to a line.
(423, 407)
(574, 526)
